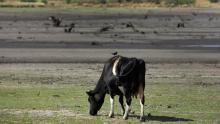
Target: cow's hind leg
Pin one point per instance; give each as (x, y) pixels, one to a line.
(121, 101)
(128, 103)
(111, 113)
(141, 95)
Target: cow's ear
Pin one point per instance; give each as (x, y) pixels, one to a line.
(89, 93)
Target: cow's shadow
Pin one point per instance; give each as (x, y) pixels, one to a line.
(156, 118)
(161, 118)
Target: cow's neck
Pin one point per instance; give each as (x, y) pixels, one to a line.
(100, 89)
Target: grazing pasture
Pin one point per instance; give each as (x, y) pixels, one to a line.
(55, 93)
(46, 69)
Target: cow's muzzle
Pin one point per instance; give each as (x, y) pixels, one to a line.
(93, 113)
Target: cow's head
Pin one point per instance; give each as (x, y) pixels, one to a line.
(95, 101)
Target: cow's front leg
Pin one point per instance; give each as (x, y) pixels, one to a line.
(111, 113)
(128, 103)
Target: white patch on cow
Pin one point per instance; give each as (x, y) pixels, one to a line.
(142, 109)
(126, 112)
(115, 66)
(111, 113)
(121, 89)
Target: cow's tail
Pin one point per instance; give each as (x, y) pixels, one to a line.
(141, 78)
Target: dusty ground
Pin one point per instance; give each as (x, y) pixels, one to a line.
(31, 37)
(88, 74)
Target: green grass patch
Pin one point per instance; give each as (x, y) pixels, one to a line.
(165, 102)
(42, 98)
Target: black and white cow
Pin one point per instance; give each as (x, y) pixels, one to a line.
(121, 76)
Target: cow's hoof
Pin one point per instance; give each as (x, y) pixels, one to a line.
(125, 117)
(111, 115)
(142, 119)
(132, 112)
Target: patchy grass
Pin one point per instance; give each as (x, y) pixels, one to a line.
(25, 118)
(170, 102)
(76, 10)
(97, 9)
(22, 4)
(165, 103)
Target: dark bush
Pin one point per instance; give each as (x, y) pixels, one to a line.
(120, 1)
(179, 2)
(213, 1)
(44, 1)
(103, 1)
(167, 2)
(154, 1)
(138, 1)
(28, 0)
(68, 1)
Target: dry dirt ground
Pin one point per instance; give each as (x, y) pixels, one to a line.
(155, 37)
(88, 74)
